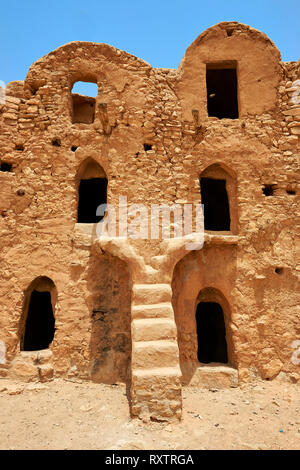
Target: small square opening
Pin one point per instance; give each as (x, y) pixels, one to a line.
(4, 166)
(19, 147)
(279, 270)
(268, 189)
(56, 142)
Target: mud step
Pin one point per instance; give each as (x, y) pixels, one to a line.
(151, 329)
(152, 354)
(44, 356)
(160, 310)
(151, 293)
(157, 372)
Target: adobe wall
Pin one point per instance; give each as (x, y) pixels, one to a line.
(257, 61)
(165, 109)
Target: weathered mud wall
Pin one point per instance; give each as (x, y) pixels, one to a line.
(166, 110)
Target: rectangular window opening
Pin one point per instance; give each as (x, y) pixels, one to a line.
(221, 85)
(83, 106)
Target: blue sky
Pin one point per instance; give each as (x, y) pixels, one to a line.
(156, 31)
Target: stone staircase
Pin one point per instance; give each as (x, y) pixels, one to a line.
(156, 388)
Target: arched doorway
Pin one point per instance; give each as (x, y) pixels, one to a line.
(199, 278)
(218, 195)
(92, 191)
(211, 333)
(38, 322)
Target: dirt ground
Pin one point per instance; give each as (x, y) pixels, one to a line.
(82, 415)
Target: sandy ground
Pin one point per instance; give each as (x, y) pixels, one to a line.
(74, 415)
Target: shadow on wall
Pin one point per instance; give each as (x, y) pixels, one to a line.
(109, 302)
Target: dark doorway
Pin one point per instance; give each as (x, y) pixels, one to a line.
(212, 345)
(92, 193)
(216, 205)
(222, 101)
(39, 328)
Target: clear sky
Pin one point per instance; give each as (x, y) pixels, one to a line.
(158, 31)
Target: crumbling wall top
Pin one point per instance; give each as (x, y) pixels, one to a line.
(235, 30)
(87, 61)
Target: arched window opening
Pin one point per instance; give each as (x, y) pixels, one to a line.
(84, 102)
(38, 319)
(218, 196)
(211, 333)
(222, 91)
(92, 191)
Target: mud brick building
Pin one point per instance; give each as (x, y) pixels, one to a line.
(223, 129)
